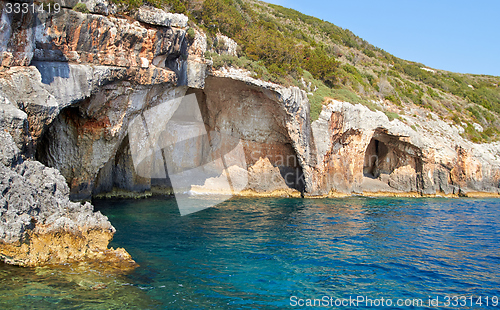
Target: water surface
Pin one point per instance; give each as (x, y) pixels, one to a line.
(257, 253)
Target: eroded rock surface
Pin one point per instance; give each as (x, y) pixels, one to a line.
(355, 143)
(154, 16)
(69, 83)
(40, 225)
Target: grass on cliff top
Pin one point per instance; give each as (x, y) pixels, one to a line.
(81, 7)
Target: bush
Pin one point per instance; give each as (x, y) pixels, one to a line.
(393, 99)
(369, 53)
(472, 134)
(81, 7)
(456, 119)
(173, 6)
(190, 34)
(285, 52)
(391, 115)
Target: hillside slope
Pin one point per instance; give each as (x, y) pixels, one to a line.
(290, 48)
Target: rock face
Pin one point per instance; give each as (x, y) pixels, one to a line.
(83, 139)
(38, 222)
(76, 78)
(355, 143)
(154, 16)
(261, 179)
(267, 118)
(71, 85)
(225, 45)
(10, 155)
(264, 177)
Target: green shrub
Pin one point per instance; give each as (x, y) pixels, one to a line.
(369, 53)
(81, 7)
(190, 34)
(174, 6)
(456, 119)
(475, 113)
(284, 50)
(391, 115)
(472, 134)
(210, 42)
(316, 107)
(491, 132)
(393, 99)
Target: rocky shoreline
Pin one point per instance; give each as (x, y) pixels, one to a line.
(71, 83)
(40, 225)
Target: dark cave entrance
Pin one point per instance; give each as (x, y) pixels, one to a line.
(243, 111)
(375, 156)
(119, 178)
(393, 160)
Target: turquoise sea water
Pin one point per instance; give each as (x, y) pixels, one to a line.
(258, 253)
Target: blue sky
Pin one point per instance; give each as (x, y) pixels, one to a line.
(459, 36)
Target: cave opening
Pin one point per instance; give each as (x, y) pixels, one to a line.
(247, 113)
(375, 156)
(96, 164)
(392, 163)
(119, 178)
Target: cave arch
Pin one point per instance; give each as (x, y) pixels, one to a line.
(83, 130)
(393, 160)
(249, 114)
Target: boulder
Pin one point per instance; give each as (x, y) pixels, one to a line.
(40, 225)
(154, 16)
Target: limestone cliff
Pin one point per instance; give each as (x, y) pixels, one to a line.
(71, 84)
(51, 67)
(362, 151)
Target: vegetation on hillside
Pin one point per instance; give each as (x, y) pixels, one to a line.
(174, 6)
(291, 48)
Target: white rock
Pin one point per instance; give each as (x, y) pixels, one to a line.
(226, 45)
(428, 70)
(478, 127)
(154, 16)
